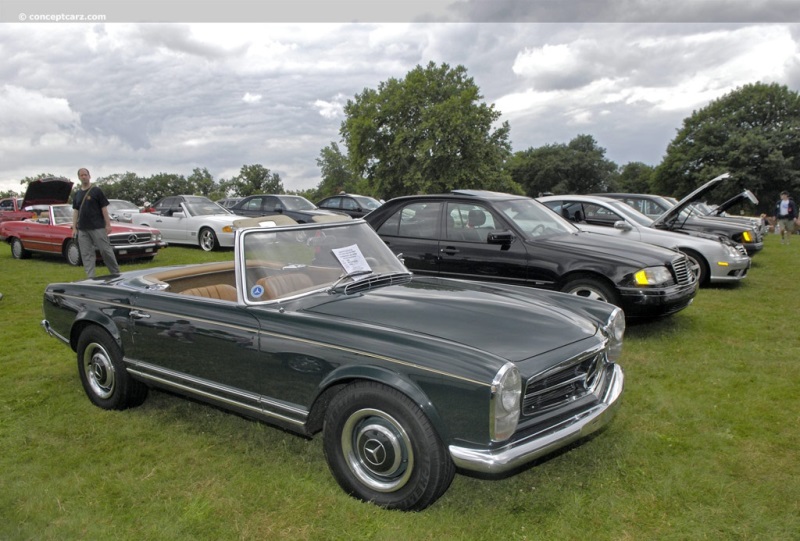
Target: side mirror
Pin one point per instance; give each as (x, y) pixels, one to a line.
(500, 237)
(622, 225)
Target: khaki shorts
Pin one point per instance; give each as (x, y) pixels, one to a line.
(786, 225)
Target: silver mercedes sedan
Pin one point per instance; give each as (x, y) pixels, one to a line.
(714, 259)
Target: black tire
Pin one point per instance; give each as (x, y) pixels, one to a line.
(105, 380)
(18, 251)
(591, 288)
(72, 253)
(207, 239)
(699, 267)
(381, 448)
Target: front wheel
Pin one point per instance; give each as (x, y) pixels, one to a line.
(591, 288)
(105, 380)
(208, 239)
(72, 253)
(381, 448)
(698, 266)
(18, 251)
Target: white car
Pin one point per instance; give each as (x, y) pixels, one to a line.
(714, 259)
(120, 210)
(191, 219)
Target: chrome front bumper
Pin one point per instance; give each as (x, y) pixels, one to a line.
(537, 445)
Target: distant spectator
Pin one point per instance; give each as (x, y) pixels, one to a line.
(785, 213)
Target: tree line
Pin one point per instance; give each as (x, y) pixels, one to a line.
(431, 132)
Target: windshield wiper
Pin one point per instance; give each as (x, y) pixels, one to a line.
(347, 275)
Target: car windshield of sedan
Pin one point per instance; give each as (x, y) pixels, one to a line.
(286, 262)
(297, 203)
(534, 219)
(202, 206)
(367, 203)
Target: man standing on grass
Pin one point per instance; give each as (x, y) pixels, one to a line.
(786, 212)
(91, 225)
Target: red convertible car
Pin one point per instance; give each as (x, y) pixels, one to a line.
(50, 231)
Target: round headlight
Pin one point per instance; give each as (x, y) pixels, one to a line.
(505, 402)
(615, 330)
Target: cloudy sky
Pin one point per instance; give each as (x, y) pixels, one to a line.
(182, 91)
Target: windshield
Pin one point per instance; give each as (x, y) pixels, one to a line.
(62, 214)
(203, 206)
(367, 203)
(296, 202)
(533, 218)
(118, 204)
(283, 262)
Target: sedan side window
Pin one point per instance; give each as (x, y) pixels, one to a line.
(597, 215)
(253, 204)
(468, 222)
(416, 220)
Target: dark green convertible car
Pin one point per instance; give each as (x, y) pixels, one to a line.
(320, 328)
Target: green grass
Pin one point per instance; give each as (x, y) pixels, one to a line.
(705, 445)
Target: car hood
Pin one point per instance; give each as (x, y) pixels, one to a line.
(696, 195)
(522, 324)
(746, 195)
(603, 247)
(47, 191)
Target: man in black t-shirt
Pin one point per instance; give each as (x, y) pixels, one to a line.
(91, 225)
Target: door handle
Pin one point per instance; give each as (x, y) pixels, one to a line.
(449, 250)
(138, 314)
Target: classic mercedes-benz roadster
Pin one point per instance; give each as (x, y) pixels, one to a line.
(321, 328)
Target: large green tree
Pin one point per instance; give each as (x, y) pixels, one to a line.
(256, 179)
(577, 167)
(752, 132)
(635, 177)
(428, 132)
(337, 173)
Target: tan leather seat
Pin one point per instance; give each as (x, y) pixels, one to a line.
(283, 285)
(224, 292)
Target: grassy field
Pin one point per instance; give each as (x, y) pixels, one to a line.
(705, 446)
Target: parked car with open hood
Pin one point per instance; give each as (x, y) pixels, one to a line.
(191, 219)
(320, 328)
(683, 218)
(714, 259)
(512, 239)
(49, 231)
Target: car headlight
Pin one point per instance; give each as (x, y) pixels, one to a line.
(158, 237)
(732, 251)
(747, 237)
(615, 330)
(652, 276)
(505, 402)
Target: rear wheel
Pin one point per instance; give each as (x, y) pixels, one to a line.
(105, 380)
(208, 239)
(591, 288)
(381, 448)
(18, 251)
(72, 253)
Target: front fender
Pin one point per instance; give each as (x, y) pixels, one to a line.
(339, 378)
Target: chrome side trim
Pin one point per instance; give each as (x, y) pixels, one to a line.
(251, 398)
(49, 330)
(537, 445)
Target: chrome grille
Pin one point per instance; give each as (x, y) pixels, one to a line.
(563, 384)
(681, 270)
(130, 238)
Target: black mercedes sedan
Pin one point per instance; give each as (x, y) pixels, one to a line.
(496, 237)
(295, 207)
